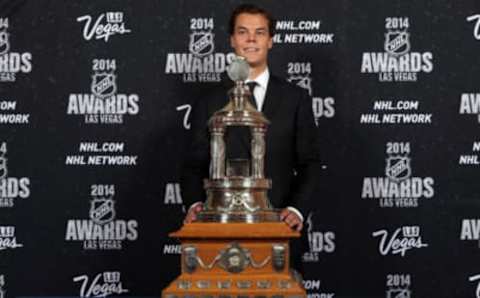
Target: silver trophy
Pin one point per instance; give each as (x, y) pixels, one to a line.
(237, 188)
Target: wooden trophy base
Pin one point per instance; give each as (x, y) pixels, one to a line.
(233, 260)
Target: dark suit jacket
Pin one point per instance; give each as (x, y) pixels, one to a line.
(292, 150)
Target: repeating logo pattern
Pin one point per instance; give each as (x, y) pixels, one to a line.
(102, 231)
(470, 230)
(11, 63)
(101, 154)
(104, 84)
(399, 286)
(397, 63)
(104, 284)
(472, 158)
(300, 74)
(103, 101)
(11, 188)
(302, 32)
(397, 42)
(315, 290)
(4, 38)
(319, 242)
(202, 64)
(402, 239)
(201, 38)
(103, 105)
(399, 188)
(470, 105)
(105, 26)
(172, 249)
(8, 239)
(173, 195)
(399, 112)
(8, 115)
(102, 210)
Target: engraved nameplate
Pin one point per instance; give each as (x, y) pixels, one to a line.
(264, 284)
(184, 284)
(203, 284)
(224, 284)
(278, 252)
(284, 284)
(190, 258)
(244, 284)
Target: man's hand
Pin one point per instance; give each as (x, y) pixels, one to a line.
(291, 219)
(192, 212)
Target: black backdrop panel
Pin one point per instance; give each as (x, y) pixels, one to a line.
(95, 98)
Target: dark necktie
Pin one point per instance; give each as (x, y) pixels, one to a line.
(251, 85)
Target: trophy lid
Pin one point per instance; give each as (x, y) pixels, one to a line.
(239, 111)
(238, 70)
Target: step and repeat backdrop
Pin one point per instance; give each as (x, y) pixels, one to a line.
(95, 99)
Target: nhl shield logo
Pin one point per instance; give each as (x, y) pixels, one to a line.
(104, 85)
(201, 44)
(304, 82)
(398, 168)
(397, 43)
(102, 211)
(4, 43)
(398, 293)
(3, 167)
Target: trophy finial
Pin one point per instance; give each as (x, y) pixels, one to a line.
(238, 70)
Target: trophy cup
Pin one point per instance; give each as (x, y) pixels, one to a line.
(237, 247)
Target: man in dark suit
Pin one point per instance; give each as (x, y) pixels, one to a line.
(291, 142)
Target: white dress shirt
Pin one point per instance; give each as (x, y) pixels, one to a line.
(261, 88)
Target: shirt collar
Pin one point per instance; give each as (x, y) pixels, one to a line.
(262, 79)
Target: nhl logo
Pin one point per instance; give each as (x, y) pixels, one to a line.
(398, 168)
(304, 82)
(201, 44)
(3, 167)
(104, 85)
(102, 211)
(398, 293)
(4, 44)
(397, 43)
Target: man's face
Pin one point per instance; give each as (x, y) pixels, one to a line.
(251, 38)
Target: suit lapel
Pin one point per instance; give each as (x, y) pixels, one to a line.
(273, 97)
